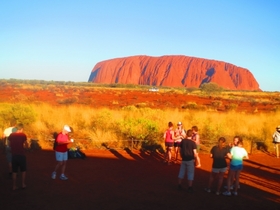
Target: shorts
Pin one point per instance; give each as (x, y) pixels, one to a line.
(177, 144)
(189, 167)
(8, 154)
(219, 170)
(235, 167)
(61, 156)
(169, 144)
(18, 161)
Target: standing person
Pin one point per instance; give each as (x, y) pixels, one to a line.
(61, 151)
(237, 153)
(5, 136)
(276, 140)
(219, 153)
(18, 141)
(169, 142)
(179, 134)
(196, 139)
(188, 153)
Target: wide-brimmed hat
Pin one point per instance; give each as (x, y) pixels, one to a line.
(278, 128)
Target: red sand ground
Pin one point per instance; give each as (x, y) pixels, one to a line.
(117, 98)
(130, 179)
(135, 180)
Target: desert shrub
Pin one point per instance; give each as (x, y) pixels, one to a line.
(190, 105)
(211, 88)
(137, 128)
(129, 108)
(18, 112)
(102, 120)
(191, 89)
(70, 100)
(231, 106)
(216, 104)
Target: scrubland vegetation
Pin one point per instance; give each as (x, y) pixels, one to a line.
(99, 128)
(141, 125)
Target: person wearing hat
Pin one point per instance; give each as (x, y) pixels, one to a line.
(61, 151)
(179, 135)
(276, 140)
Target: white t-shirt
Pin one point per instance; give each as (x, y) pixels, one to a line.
(238, 153)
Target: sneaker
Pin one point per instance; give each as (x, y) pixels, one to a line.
(218, 193)
(234, 193)
(231, 187)
(207, 190)
(190, 190)
(53, 175)
(227, 193)
(180, 187)
(63, 177)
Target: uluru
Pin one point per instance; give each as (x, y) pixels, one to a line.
(173, 71)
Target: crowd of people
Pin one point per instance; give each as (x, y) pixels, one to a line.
(187, 144)
(15, 144)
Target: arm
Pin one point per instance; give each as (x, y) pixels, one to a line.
(197, 159)
(229, 155)
(25, 144)
(63, 139)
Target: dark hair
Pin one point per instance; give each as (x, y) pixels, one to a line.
(189, 133)
(195, 128)
(170, 124)
(19, 126)
(240, 140)
(221, 142)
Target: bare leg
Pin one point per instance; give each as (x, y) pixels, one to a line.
(63, 167)
(220, 181)
(59, 163)
(237, 174)
(229, 180)
(211, 178)
(277, 150)
(176, 153)
(10, 167)
(23, 175)
(14, 181)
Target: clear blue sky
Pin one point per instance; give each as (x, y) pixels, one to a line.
(62, 40)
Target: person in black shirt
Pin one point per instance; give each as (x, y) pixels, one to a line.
(219, 153)
(188, 154)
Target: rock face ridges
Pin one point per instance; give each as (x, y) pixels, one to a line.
(172, 71)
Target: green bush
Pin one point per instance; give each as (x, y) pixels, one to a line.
(18, 112)
(139, 129)
(211, 88)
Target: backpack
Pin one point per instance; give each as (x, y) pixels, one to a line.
(55, 134)
(76, 153)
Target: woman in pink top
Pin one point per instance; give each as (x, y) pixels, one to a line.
(169, 143)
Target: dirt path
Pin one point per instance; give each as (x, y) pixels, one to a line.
(135, 180)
